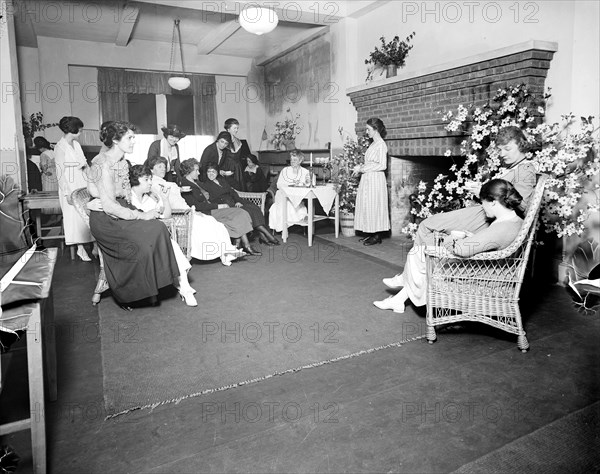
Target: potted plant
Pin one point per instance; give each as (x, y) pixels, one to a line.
(33, 125)
(286, 132)
(342, 167)
(392, 55)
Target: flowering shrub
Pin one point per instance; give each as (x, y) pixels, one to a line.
(342, 167)
(286, 130)
(566, 152)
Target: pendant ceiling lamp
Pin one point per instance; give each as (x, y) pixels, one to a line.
(177, 82)
(258, 20)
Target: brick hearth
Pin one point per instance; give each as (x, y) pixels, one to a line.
(412, 105)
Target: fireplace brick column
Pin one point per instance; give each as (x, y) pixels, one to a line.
(411, 106)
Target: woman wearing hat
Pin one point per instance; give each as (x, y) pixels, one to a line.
(167, 147)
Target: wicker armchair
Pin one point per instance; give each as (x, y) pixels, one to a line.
(179, 225)
(255, 198)
(484, 287)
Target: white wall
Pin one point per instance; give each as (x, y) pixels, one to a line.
(447, 31)
(12, 145)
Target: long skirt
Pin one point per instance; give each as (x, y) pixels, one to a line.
(295, 214)
(210, 238)
(256, 214)
(236, 221)
(372, 211)
(472, 219)
(76, 230)
(138, 256)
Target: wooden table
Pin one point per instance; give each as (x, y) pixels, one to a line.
(44, 200)
(36, 316)
(325, 194)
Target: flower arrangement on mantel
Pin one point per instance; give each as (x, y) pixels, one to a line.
(286, 130)
(391, 53)
(342, 167)
(567, 152)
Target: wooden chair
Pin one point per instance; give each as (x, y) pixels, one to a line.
(179, 225)
(484, 287)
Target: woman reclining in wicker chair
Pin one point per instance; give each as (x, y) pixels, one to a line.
(500, 201)
(521, 172)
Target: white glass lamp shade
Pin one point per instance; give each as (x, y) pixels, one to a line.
(179, 83)
(258, 20)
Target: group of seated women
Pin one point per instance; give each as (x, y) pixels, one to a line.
(140, 256)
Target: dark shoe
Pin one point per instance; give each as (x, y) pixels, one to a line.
(374, 239)
(362, 239)
(250, 251)
(275, 241)
(266, 242)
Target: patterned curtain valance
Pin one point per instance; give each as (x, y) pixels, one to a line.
(111, 80)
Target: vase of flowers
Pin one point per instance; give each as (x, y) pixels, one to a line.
(341, 167)
(392, 54)
(286, 131)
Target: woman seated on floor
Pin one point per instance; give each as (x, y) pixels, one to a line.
(220, 192)
(236, 221)
(138, 255)
(144, 199)
(210, 238)
(293, 175)
(500, 201)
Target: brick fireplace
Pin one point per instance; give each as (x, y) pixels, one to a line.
(411, 106)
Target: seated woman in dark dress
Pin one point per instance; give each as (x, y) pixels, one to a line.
(221, 193)
(255, 179)
(137, 250)
(219, 153)
(237, 221)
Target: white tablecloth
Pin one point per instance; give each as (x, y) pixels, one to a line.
(325, 195)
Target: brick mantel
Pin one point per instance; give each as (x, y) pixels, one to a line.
(411, 106)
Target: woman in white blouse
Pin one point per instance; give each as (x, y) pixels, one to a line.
(371, 215)
(293, 175)
(71, 167)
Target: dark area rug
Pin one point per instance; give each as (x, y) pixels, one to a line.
(294, 307)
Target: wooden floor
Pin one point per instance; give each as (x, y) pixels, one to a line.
(468, 398)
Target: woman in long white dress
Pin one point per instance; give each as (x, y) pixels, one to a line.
(293, 175)
(371, 214)
(71, 167)
(210, 238)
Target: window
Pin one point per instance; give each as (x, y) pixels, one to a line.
(180, 110)
(142, 112)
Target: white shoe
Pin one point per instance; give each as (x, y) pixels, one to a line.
(82, 254)
(395, 282)
(389, 303)
(188, 298)
(227, 259)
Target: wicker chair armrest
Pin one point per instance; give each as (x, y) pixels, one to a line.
(80, 197)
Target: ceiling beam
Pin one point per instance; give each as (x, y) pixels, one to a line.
(211, 41)
(129, 17)
(293, 43)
